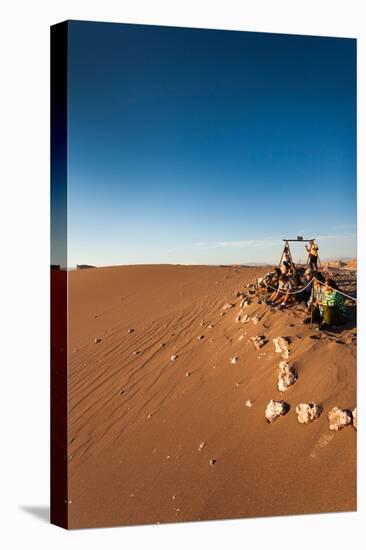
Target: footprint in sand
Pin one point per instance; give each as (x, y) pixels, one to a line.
(322, 442)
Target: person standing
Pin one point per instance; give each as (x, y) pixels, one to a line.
(313, 255)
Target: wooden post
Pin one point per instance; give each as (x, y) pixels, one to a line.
(311, 304)
(283, 251)
(289, 253)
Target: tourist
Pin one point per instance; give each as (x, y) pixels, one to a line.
(333, 306)
(281, 296)
(314, 304)
(313, 255)
(304, 296)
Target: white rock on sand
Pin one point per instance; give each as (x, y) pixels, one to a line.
(234, 359)
(259, 341)
(275, 409)
(174, 357)
(227, 306)
(255, 319)
(339, 418)
(281, 346)
(287, 376)
(237, 319)
(307, 412)
(249, 403)
(245, 319)
(354, 418)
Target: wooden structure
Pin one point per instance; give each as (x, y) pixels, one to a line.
(286, 249)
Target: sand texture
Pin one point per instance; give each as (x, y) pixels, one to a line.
(163, 424)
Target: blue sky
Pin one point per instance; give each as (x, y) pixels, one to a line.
(208, 147)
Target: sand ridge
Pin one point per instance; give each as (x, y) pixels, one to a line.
(153, 440)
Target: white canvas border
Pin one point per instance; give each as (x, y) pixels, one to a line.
(25, 258)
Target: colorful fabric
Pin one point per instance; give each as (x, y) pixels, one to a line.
(334, 299)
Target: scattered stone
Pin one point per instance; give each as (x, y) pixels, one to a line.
(188, 374)
(241, 337)
(234, 359)
(97, 340)
(237, 319)
(249, 403)
(256, 319)
(222, 313)
(135, 353)
(259, 341)
(275, 409)
(210, 326)
(200, 337)
(202, 323)
(228, 306)
(354, 418)
(238, 294)
(308, 412)
(174, 357)
(339, 418)
(201, 445)
(149, 415)
(281, 346)
(245, 319)
(244, 303)
(130, 330)
(212, 461)
(286, 377)
(162, 344)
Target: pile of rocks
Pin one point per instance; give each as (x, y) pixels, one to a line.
(308, 412)
(275, 409)
(339, 418)
(259, 341)
(287, 376)
(281, 346)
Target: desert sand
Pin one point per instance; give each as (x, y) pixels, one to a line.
(165, 427)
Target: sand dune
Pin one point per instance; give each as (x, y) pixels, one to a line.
(153, 439)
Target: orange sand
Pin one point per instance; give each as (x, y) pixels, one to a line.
(136, 421)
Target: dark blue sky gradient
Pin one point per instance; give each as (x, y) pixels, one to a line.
(201, 146)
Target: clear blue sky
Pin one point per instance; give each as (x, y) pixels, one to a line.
(202, 146)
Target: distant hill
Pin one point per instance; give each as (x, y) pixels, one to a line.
(342, 263)
(85, 266)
